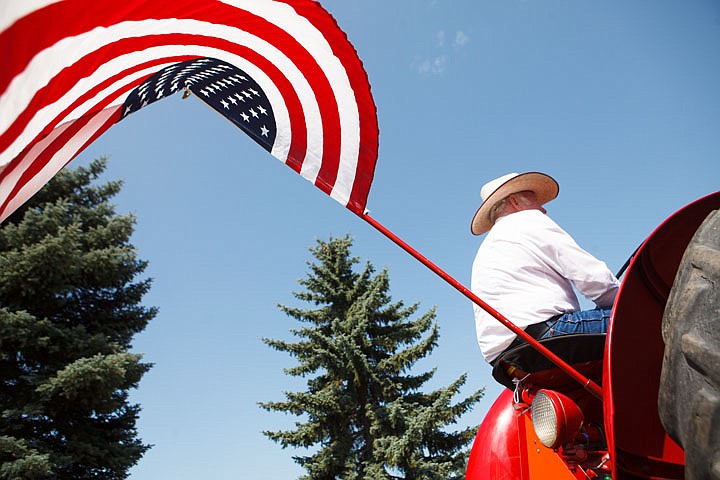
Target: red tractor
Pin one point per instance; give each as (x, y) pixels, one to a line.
(655, 410)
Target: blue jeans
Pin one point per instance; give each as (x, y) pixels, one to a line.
(584, 321)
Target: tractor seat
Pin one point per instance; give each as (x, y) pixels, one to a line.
(584, 351)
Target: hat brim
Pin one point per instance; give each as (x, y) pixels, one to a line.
(544, 186)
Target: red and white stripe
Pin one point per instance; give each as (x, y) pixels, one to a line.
(63, 82)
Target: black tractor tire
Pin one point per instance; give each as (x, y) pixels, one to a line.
(689, 396)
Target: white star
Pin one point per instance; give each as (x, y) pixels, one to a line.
(204, 92)
(225, 104)
(254, 113)
(262, 110)
(239, 97)
(254, 92)
(246, 94)
(245, 117)
(232, 99)
(264, 131)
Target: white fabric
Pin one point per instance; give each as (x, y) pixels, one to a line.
(526, 269)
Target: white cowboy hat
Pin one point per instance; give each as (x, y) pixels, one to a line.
(544, 186)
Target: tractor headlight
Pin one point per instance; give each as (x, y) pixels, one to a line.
(555, 417)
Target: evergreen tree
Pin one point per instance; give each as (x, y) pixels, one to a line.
(364, 413)
(69, 307)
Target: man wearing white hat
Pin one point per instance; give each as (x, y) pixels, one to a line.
(527, 266)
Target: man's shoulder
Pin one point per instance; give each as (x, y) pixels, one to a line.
(522, 221)
(525, 228)
(531, 221)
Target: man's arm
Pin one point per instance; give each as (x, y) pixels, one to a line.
(590, 276)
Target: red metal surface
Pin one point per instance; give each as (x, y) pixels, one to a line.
(496, 450)
(636, 439)
(506, 448)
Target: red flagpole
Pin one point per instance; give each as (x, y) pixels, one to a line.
(588, 384)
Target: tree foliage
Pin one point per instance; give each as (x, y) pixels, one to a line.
(70, 303)
(363, 412)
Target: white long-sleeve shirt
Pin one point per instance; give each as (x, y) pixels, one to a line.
(526, 269)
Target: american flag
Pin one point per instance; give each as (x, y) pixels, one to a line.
(280, 70)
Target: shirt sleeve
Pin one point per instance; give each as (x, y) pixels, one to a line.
(590, 276)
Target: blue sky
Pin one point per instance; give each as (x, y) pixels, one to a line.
(618, 100)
